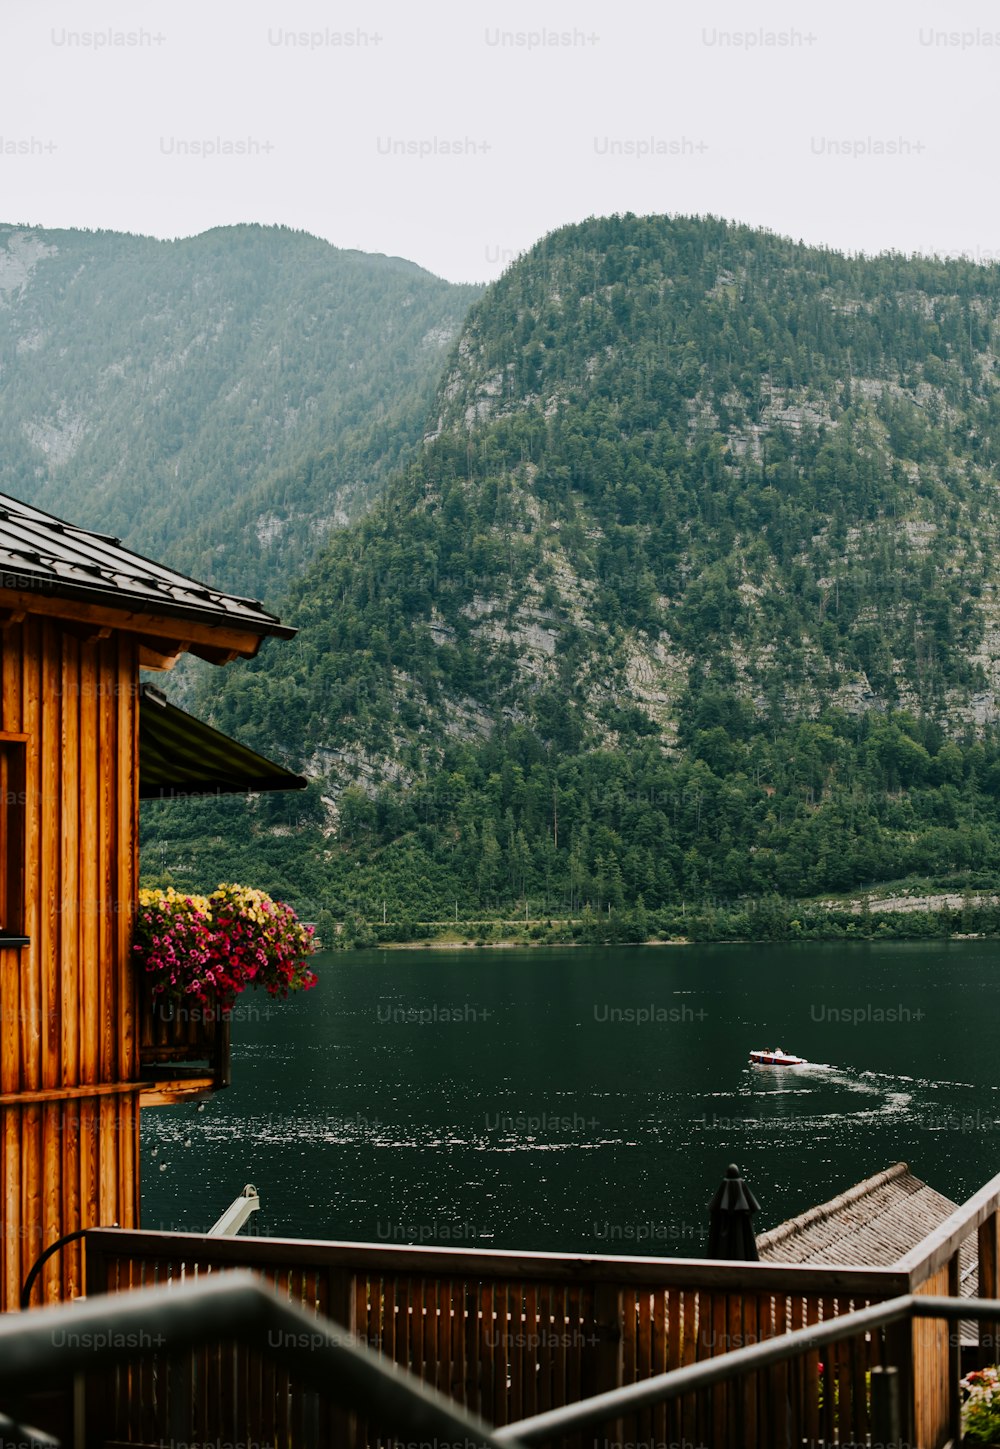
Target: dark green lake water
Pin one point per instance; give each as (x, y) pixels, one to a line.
(588, 1100)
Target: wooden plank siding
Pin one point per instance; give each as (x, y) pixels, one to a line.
(68, 1057)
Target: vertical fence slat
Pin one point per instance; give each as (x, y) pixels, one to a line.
(455, 1301)
(404, 1328)
(988, 1243)
(810, 1387)
(644, 1358)
(387, 1328)
(501, 1354)
(658, 1361)
(751, 1334)
(734, 1391)
(582, 1330)
(689, 1354)
(268, 1401)
(864, 1362)
(629, 1319)
(720, 1395)
(487, 1349)
(341, 1304)
(843, 1377)
(952, 1410)
(516, 1353)
(535, 1334)
(432, 1342)
(770, 1430)
(421, 1290)
(473, 1347)
(794, 1318)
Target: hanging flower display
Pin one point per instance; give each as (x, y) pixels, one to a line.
(210, 948)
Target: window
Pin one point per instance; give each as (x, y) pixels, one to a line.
(13, 797)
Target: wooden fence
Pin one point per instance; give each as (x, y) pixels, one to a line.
(509, 1335)
(506, 1335)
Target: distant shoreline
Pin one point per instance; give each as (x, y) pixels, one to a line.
(903, 915)
(510, 944)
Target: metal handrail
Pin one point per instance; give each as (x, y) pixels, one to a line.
(85, 1337)
(43, 1258)
(642, 1395)
(11, 1432)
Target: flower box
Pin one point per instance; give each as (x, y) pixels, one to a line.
(203, 951)
(175, 1038)
(196, 954)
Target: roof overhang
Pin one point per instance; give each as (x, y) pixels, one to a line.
(48, 565)
(180, 755)
(162, 635)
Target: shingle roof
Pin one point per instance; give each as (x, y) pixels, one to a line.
(42, 554)
(873, 1224)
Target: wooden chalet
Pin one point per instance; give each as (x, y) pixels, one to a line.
(81, 740)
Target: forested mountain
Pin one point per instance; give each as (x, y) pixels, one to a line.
(220, 402)
(690, 594)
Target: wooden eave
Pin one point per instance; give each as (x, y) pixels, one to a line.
(162, 634)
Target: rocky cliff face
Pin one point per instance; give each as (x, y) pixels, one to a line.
(674, 452)
(690, 592)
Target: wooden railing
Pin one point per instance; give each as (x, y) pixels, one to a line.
(510, 1335)
(933, 1348)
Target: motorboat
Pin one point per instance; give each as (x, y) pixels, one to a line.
(776, 1058)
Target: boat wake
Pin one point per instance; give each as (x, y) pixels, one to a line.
(924, 1082)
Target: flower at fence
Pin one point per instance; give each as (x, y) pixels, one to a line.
(981, 1406)
(211, 948)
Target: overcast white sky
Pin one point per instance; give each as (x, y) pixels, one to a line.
(458, 134)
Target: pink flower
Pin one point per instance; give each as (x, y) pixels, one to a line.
(191, 953)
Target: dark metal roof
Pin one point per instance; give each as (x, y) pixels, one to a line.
(180, 755)
(43, 554)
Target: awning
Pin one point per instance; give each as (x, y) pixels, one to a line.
(179, 755)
